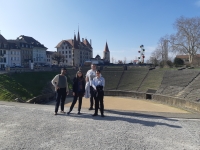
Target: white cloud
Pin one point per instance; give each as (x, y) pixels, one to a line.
(197, 3)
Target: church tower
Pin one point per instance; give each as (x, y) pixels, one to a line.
(106, 54)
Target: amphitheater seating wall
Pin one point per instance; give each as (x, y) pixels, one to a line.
(132, 78)
(176, 81)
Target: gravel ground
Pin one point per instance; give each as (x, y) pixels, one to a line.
(34, 128)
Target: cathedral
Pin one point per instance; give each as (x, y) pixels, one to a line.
(76, 51)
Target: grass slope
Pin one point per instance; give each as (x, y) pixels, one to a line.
(24, 85)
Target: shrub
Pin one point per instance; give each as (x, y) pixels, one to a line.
(178, 62)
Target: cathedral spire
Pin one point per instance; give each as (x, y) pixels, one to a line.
(74, 43)
(106, 48)
(78, 36)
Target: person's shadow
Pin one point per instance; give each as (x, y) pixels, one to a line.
(127, 119)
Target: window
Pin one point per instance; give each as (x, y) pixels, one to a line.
(66, 47)
(69, 56)
(62, 52)
(69, 52)
(66, 52)
(66, 56)
(66, 61)
(4, 51)
(62, 47)
(4, 59)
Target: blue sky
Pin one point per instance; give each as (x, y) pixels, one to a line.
(124, 24)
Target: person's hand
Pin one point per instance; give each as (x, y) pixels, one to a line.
(57, 88)
(67, 93)
(73, 94)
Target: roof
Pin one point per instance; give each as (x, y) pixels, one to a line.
(50, 52)
(186, 56)
(17, 43)
(69, 42)
(75, 43)
(30, 40)
(2, 39)
(87, 43)
(13, 45)
(106, 48)
(98, 57)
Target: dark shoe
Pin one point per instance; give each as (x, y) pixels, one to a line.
(95, 115)
(102, 115)
(68, 112)
(55, 113)
(90, 108)
(79, 113)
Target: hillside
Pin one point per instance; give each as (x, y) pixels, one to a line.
(24, 85)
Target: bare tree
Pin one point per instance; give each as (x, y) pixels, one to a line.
(163, 46)
(124, 60)
(187, 38)
(112, 59)
(120, 62)
(58, 57)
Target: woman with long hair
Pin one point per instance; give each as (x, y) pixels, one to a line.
(78, 91)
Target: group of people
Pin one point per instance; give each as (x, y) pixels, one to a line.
(92, 86)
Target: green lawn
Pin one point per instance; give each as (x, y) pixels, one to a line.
(24, 85)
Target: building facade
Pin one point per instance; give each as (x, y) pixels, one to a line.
(21, 52)
(14, 55)
(75, 51)
(4, 49)
(32, 50)
(98, 60)
(185, 58)
(50, 61)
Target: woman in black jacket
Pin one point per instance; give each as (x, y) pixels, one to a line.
(78, 91)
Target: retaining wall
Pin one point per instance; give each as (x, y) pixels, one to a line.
(177, 102)
(182, 103)
(125, 93)
(42, 98)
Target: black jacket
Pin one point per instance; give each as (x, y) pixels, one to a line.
(75, 85)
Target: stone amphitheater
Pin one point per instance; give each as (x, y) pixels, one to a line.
(137, 117)
(179, 88)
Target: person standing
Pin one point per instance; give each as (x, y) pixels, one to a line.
(98, 85)
(91, 74)
(61, 87)
(87, 88)
(78, 91)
